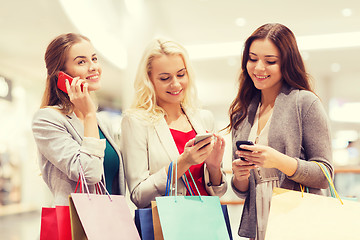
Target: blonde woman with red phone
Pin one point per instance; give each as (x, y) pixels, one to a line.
(67, 129)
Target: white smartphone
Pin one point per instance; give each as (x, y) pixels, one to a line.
(200, 137)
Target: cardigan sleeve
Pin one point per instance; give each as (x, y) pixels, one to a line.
(316, 143)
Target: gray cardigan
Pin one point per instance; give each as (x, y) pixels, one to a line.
(63, 148)
(299, 128)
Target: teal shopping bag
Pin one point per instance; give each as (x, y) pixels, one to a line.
(190, 217)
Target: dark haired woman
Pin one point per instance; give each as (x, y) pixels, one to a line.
(68, 132)
(276, 109)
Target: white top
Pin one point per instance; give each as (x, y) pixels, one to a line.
(264, 187)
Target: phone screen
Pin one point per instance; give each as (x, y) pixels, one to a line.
(201, 137)
(239, 143)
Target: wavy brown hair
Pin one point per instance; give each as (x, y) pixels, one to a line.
(291, 65)
(55, 58)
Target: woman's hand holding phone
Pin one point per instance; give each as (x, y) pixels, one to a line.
(266, 157)
(239, 148)
(215, 159)
(241, 167)
(61, 83)
(77, 89)
(197, 149)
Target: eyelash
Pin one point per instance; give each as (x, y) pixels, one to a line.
(268, 62)
(180, 75)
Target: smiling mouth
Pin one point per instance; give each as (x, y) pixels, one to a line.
(175, 93)
(261, 77)
(93, 77)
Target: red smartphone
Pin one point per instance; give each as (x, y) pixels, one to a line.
(61, 81)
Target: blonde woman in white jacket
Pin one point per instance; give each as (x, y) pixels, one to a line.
(161, 126)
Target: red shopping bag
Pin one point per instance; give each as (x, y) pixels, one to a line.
(55, 223)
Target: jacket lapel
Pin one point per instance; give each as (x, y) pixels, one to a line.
(195, 122)
(166, 139)
(76, 124)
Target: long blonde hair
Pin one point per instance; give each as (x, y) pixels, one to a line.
(145, 97)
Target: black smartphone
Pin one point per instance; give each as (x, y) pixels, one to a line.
(239, 143)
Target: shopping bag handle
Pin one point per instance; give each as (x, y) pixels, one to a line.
(98, 186)
(333, 191)
(169, 182)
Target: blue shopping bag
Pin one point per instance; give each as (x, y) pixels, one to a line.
(144, 223)
(227, 220)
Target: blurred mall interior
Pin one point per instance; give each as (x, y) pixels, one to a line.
(213, 31)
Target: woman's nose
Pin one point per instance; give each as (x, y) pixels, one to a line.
(92, 67)
(175, 81)
(260, 65)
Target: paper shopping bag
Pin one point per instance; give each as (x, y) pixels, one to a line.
(311, 217)
(227, 220)
(191, 217)
(102, 217)
(55, 223)
(158, 235)
(144, 223)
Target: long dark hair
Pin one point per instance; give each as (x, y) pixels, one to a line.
(292, 69)
(55, 58)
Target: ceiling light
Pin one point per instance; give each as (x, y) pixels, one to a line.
(306, 43)
(346, 12)
(232, 61)
(215, 50)
(240, 22)
(328, 41)
(135, 7)
(4, 87)
(335, 67)
(106, 39)
(305, 55)
(340, 111)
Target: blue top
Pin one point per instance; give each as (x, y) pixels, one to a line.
(111, 164)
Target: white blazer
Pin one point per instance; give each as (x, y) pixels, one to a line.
(63, 148)
(147, 150)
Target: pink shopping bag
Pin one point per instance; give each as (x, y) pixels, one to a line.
(103, 216)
